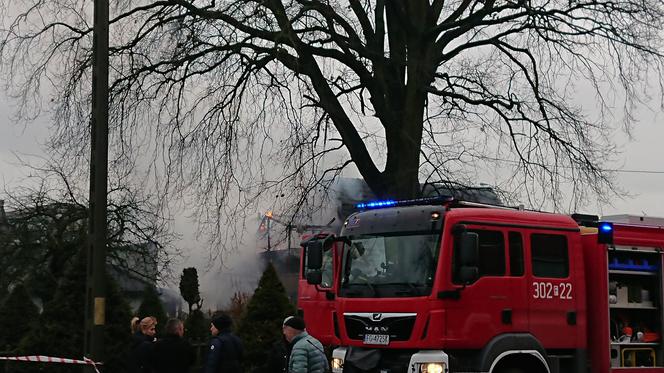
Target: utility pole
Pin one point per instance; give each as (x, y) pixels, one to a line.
(269, 227)
(95, 312)
(289, 230)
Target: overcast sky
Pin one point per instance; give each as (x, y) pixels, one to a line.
(641, 162)
(645, 153)
(641, 159)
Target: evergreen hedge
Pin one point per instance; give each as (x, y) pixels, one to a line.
(17, 313)
(260, 328)
(59, 330)
(151, 306)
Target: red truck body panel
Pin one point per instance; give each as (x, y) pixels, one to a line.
(316, 303)
(567, 313)
(545, 318)
(597, 278)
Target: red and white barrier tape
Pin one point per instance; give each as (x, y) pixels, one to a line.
(49, 359)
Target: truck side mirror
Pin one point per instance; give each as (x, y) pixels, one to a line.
(469, 256)
(468, 275)
(457, 229)
(314, 255)
(314, 277)
(469, 244)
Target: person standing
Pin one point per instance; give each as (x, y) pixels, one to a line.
(172, 354)
(142, 343)
(277, 359)
(226, 352)
(307, 354)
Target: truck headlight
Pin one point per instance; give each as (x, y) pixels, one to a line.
(432, 368)
(337, 363)
(338, 357)
(429, 361)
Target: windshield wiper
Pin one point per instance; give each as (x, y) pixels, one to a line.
(367, 284)
(373, 289)
(413, 288)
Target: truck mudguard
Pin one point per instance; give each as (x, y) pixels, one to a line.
(508, 342)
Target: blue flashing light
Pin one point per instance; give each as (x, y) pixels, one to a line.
(605, 233)
(408, 202)
(376, 204)
(606, 227)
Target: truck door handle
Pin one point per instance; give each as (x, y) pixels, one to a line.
(571, 317)
(506, 316)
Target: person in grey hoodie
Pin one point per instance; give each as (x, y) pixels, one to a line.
(307, 354)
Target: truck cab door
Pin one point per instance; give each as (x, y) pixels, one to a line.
(552, 291)
(316, 302)
(488, 306)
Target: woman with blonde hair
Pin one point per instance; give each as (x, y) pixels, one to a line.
(140, 350)
(146, 326)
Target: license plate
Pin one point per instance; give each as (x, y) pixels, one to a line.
(376, 339)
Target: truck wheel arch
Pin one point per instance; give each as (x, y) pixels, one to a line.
(533, 358)
(508, 346)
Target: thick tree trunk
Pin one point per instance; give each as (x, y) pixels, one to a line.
(400, 81)
(414, 62)
(403, 157)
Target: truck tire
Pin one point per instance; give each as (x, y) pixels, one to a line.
(512, 370)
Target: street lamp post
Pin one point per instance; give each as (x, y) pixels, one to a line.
(95, 313)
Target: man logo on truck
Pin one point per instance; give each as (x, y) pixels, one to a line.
(377, 329)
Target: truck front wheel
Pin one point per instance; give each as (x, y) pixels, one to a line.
(511, 370)
(519, 363)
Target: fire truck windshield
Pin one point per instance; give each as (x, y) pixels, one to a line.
(390, 265)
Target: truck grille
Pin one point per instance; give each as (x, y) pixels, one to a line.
(399, 326)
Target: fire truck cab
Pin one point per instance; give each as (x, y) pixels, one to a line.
(439, 285)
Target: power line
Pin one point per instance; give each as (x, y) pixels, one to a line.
(625, 171)
(637, 171)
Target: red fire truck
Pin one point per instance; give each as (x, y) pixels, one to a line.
(440, 285)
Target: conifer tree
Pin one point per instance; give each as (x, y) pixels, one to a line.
(151, 306)
(59, 330)
(260, 328)
(117, 334)
(189, 288)
(198, 326)
(17, 312)
(3, 290)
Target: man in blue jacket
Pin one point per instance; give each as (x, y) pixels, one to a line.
(307, 354)
(225, 353)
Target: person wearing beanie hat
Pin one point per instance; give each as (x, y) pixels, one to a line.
(307, 355)
(226, 352)
(223, 322)
(294, 322)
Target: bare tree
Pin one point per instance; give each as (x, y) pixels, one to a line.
(48, 227)
(235, 98)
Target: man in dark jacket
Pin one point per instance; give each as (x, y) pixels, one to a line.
(172, 354)
(277, 359)
(225, 353)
